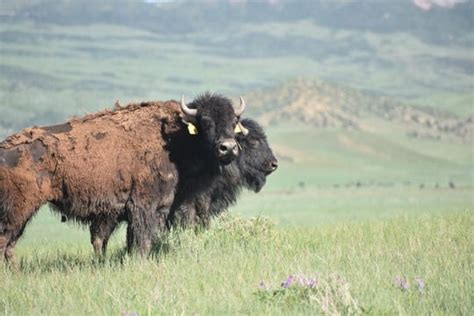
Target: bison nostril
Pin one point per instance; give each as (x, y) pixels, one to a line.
(227, 147)
(274, 165)
(223, 149)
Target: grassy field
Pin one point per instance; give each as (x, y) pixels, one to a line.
(410, 265)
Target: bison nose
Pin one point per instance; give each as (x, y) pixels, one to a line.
(274, 165)
(227, 147)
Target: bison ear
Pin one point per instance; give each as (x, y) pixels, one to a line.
(237, 129)
(192, 129)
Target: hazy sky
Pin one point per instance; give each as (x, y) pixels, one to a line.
(422, 4)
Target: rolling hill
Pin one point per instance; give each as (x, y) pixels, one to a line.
(62, 58)
(323, 104)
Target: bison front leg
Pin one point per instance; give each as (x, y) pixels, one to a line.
(184, 215)
(144, 229)
(141, 231)
(147, 210)
(101, 229)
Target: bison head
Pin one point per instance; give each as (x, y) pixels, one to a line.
(215, 121)
(256, 161)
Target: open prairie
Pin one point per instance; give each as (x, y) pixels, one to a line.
(372, 206)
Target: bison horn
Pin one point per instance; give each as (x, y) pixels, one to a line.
(244, 131)
(242, 107)
(186, 110)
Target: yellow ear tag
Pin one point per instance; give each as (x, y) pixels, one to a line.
(237, 129)
(192, 130)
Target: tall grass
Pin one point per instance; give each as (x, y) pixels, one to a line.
(238, 266)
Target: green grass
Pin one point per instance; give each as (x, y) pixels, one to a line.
(313, 207)
(330, 158)
(219, 271)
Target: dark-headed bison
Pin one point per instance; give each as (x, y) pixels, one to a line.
(250, 169)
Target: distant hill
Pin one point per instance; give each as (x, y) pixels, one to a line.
(326, 105)
(60, 58)
(442, 23)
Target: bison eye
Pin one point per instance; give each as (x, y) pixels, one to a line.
(254, 142)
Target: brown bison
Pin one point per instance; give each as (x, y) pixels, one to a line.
(115, 165)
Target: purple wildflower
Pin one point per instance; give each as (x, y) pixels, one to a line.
(300, 280)
(288, 282)
(401, 283)
(307, 282)
(420, 283)
(311, 283)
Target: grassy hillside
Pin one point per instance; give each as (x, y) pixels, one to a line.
(419, 265)
(54, 71)
(323, 104)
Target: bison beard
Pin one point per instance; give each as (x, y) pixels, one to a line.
(111, 166)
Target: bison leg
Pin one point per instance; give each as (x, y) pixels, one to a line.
(184, 215)
(146, 212)
(8, 240)
(20, 199)
(144, 229)
(140, 232)
(3, 246)
(101, 229)
(192, 212)
(9, 252)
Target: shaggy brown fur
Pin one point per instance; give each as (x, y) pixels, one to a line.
(92, 167)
